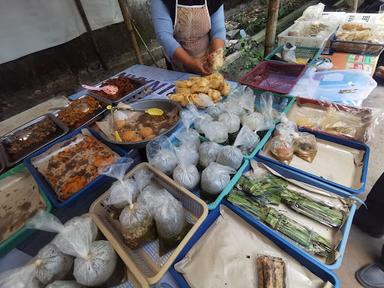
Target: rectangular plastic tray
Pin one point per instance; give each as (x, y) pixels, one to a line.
(145, 261)
(316, 268)
(322, 106)
(345, 229)
(9, 162)
(141, 87)
(47, 188)
(332, 139)
(309, 53)
(23, 233)
(273, 76)
(356, 47)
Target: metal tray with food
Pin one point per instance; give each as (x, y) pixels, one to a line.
(332, 160)
(30, 137)
(80, 112)
(243, 241)
(127, 88)
(20, 199)
(353, 123)
(137, 126)
(71, 167)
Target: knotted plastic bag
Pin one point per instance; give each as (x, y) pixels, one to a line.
(266, 108)
(289, 53)
(216, 131)
(171, 224)
(51, 264)
(246, 140)
(208, 153)
(305, 146)
(230, 156)
(215, 177)
(231, 120)
(286, 128)
(153, 197)
(21, 277)
(186, 173)
(189, 136)
(95, 261)
(282, 148)
(215, 111)
(254, 121)
(123, 191)
(161, 154)
(64, 284)
(202, 121)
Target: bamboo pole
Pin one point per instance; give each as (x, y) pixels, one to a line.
(355, 4)
(270, 33)
(127, 19)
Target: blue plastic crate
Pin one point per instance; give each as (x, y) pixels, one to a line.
(99, 181)
(341, 141)
(319, 270)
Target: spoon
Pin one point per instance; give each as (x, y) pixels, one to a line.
(115, 133)
(150, 111)
(108, 89)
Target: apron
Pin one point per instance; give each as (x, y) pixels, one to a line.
(191, 30)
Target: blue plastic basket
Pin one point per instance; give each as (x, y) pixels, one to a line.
(92, 187)
(341, 141)
(319, 270)
(345, 229)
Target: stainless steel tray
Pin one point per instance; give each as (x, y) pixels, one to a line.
(141, 86)
(163, 104)
(92, 119)
(11, 162)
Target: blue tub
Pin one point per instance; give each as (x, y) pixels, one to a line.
(93, 187)
(341, 141)
(318, 269)
(345, 230)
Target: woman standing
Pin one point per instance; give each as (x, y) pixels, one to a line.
(189, 31)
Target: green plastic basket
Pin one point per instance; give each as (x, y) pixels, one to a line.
(23, 233)
(301, 52)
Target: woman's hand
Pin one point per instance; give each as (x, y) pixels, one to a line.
(199, 66)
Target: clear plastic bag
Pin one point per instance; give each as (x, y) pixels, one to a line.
(143, 178)
(64, 284)
(254, 121)
(305, 146)
(202, 121)
(21, 277)
(123, 191)
(230, 156)
(246, 140)
(153, 197)
(189, 136)
(171, 224)
(208, 153)
(51, 264)
(161, 154)
(313, 12)
(282, 148)
(216, 132)
(215, 111)
(215, 177)
(287, 129)
(266, 108)
(289, 53)
(231, 120)
(186, 173)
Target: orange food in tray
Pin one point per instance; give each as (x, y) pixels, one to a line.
(76, 165)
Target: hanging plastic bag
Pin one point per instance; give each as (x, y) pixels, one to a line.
(208, 153)
(189, 136)
(216, 132)
(289, 53)
(64, 284)
(215, 177)
(266, 108)
(282, 148)
(171, 224)
(95, 261)
(254, 121)
(22, 277)
(246, 140)
(51, 264)
(161, 154)
(230, 156)
(123, 191)
(305, 146)
(186, 173)
(231, 120)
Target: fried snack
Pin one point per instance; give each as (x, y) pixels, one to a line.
(76, 165)
(216, 59)
(183, 83)
(225, 89)
(183, 90)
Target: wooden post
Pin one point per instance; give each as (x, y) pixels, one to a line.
(270, 32)
(355, 4)
(127, 19)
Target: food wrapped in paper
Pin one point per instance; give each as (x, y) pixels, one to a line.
(282, 148)
(305, 146)
(246, 140)
(208, 153)
(230, 156)
(215, 177)
(161, 154)
(216, 131)
(71, 165)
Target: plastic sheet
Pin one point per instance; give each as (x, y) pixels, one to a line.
(161, 154)
(215, 177)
